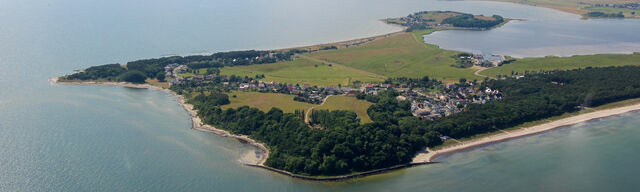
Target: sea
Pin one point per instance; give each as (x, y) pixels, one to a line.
(103, 138)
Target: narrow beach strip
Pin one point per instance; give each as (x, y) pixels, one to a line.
(430, 155)
(342, 177)
(196, 121)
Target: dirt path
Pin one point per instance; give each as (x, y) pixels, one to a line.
(344, 67)
(307, 115)
(417, 40)
(480, 69)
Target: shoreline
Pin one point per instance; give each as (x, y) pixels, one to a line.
(421, 158)
(196, 122)
(342, 177)
(429, 156)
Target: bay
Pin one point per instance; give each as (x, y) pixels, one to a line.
(97, 138)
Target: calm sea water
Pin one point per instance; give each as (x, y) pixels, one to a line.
(538, 38)
(95, 138)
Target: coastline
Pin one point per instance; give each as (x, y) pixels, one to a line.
(429, 156)
(421, 158)
(195, 120)
(197, 124)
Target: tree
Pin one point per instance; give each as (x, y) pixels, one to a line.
(463, 81)
(133, 76)
(160, 76)
(213, 71)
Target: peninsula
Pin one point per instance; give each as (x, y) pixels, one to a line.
(374, 103)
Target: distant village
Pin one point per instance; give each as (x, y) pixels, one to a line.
(416, 19)
(433, 102)
(494, 60)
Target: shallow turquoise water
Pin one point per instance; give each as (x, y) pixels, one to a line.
(96, 138)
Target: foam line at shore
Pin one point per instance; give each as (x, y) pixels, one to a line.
(430, 155)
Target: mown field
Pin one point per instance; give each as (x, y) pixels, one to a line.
(563, 63)
(301, 71)
(265, 101)
(342, 102)
(402, 55)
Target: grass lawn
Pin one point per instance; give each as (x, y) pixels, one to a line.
(401, 55)
(301, 71)
(265, 101)
(342, 102)
(564, 63)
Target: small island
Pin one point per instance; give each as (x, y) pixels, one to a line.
(447, 20)
(350, 109)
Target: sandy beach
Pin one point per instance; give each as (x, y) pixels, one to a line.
(196, 121)
(428, 156)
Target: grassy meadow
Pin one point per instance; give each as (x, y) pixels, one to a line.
(301, 71)
(265, 101)
(563, 63)
(401, 55)
(342, 102)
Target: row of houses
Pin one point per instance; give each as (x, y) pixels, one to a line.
(493, 60)
(634, 6)
(451, 100)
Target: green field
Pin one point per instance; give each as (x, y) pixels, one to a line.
(563, 63)
(574, 6)
(401, 55)
(342, 102)
(301, 71)
(265, 101)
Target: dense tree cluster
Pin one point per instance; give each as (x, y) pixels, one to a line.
(468, 20)
(151, 67)
(542, 95)
(107, 72)
(329, 47)
(332, 119)
(341, 146)
(220, 59)
(133, 76)
(601, 14)
(210, 99)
